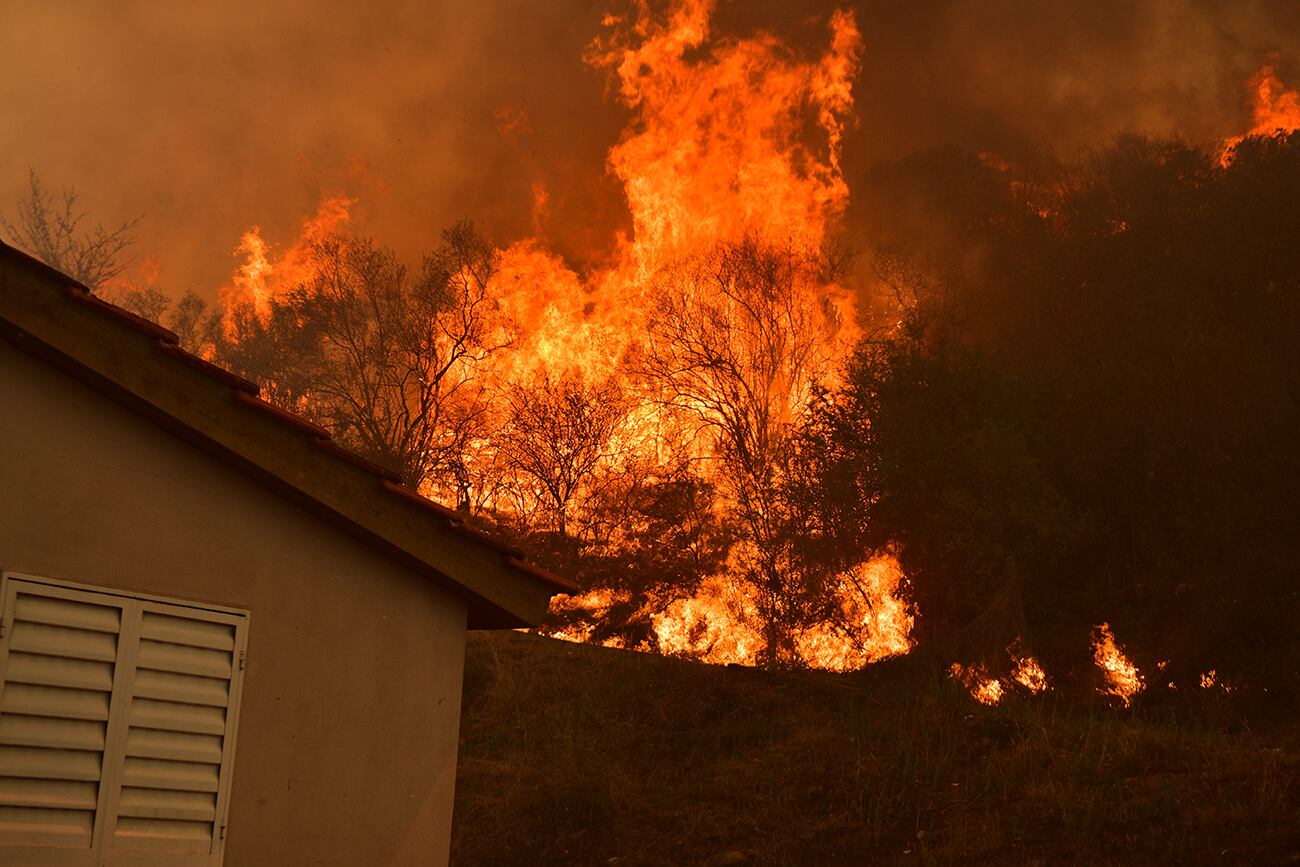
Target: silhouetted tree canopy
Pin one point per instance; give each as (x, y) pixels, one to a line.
(1095, 400)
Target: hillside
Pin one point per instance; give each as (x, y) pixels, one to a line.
(574, 754)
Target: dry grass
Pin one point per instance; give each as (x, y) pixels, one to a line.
(582, 755)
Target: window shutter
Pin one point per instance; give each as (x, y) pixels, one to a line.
(171, 796)
(117, 725)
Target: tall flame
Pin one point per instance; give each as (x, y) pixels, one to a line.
(262, 276)
(718, 148)
(730, 139)
(874, 620)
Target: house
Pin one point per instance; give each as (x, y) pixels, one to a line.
(223, 639)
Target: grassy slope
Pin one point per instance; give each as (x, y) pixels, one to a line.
(583, 755)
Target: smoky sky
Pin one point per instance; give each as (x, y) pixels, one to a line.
(208, 117)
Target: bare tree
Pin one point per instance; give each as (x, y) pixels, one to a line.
(51, 231)
(196, 324)
(736, 342)
(142, 301)
(385, 358)
(558, 437)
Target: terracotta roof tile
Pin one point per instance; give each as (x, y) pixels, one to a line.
(206, 367)
(78, 293)
(484, 539)
(415, 499)
(565, 585)
(283, 416)
(331, 448)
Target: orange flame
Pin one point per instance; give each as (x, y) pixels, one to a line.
(594, 604)
(1029, 674)
(717, 150)
(1275, 109)
(730, 139)
(1123, 680)
(263, 276)
(715, 625)
(984, 689)
(875, 620)
(1025, 671)
(718, 623)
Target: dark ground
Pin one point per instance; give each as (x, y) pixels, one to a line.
(584, 755)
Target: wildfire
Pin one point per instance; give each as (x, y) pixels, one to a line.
(874, 621)
(715, 625)
(551, 307)
(1029, 674)
(730, 139)
(1123, 680)
(263, 276)
(1274, 109)
(593, 604)
(718, 148)
(722, 147)
(984, 689)
(1025, 671)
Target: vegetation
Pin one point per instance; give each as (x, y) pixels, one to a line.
(52, 230)
(734, 344)
(573, 754)
(1090, 413)
(384, 357)
(1081, 408)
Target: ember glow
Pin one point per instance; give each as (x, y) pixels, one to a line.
(984, 689)
(1122, 678)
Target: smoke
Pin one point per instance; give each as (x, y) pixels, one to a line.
(210, 116)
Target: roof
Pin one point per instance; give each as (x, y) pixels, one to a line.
(140, 365)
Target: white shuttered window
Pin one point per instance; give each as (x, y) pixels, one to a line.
(117, 726)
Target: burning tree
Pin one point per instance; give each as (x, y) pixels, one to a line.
(559, 437)
(735, 343)
(387, 359)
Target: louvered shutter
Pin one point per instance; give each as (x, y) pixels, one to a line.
(58, 676)
(117, 724)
